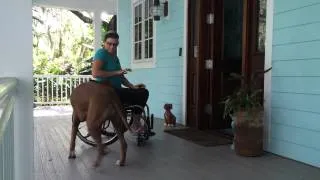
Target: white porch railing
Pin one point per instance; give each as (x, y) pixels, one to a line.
(56, 89)
(7, 89)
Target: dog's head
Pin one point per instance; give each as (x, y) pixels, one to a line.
(167, 106)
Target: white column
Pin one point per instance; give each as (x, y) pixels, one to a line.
(185, 65)
(97, 30)
(16, 61)
(267, 76)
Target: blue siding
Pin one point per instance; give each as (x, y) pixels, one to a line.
(295, 125)
(165, 80)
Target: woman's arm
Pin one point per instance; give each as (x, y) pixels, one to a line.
(98, 72)
(126, 82)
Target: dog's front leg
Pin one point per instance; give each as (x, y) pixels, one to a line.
(123, 150)
(75, 125)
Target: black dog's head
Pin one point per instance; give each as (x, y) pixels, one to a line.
(167, 106)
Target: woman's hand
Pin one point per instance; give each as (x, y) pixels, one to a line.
(122, 72)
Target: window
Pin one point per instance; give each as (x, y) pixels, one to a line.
(143, 35)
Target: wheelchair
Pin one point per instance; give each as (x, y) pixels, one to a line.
(109, 135)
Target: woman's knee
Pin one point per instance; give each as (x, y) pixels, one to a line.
(145, 92)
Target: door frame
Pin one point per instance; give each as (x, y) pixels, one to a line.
(268, 75)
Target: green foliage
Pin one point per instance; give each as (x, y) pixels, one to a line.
(247, 98)
(62, 43)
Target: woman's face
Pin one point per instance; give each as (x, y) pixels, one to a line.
(111, 45)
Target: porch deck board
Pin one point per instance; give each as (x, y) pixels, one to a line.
(163, 157)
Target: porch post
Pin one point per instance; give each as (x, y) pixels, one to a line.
(97, 30)
(16, 61)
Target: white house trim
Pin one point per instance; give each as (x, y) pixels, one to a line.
(108, 6)
(185, 64)
(267, 76)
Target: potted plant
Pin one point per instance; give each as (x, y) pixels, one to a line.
(245, 107)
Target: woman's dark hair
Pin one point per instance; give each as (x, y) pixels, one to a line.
(111, 34)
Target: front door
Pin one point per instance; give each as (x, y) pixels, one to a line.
(203, 68)
(215, 48)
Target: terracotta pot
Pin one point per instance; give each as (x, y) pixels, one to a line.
(248, 139)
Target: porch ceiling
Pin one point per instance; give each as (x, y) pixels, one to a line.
(108, 6)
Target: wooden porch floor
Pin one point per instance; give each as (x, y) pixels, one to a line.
(163, 157)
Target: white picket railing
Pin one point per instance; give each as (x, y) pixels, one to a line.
(56, 89)
(7, 90)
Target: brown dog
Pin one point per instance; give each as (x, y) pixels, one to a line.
(95, 103)
(169, 118)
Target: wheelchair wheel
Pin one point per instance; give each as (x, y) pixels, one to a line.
(108, 134)
(144, 130)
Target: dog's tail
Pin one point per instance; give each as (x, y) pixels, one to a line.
(125, 122)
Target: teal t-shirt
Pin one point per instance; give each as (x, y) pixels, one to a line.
(110, 63)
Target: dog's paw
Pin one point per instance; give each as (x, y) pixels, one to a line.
(72, 155)
(119, 163)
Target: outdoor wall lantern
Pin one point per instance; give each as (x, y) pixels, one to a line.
(159, 10)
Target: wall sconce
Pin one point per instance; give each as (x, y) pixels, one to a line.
(159, 10)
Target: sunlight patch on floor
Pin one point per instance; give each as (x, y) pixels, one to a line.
(42, 111)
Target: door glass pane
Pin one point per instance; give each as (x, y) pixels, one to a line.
(261, 25)
(136, 14)
(136, 33)
(140, 31)
(146, 9)
(150, 6)
(135, 51)
(150, 28)
(146, 32)
(139, 50)
(150, 48)
(146, 49)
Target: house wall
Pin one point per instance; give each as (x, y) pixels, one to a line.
(165, 81)
(16, 61)
(295, 119)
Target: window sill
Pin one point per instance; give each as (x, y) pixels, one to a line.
(141, 64)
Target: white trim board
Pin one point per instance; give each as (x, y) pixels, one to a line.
(103, 5)
(185, 64)
(267, 76)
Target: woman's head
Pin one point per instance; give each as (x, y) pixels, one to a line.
(111, 41)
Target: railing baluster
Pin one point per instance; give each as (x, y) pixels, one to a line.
(42, 90)
(65, 89)
(52, 84)
(61, 89)
(47, 95)
(70, 87)
(38, 88)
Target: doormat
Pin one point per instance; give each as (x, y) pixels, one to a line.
(203, 138)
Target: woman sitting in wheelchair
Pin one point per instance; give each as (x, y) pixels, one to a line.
(106, 67)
